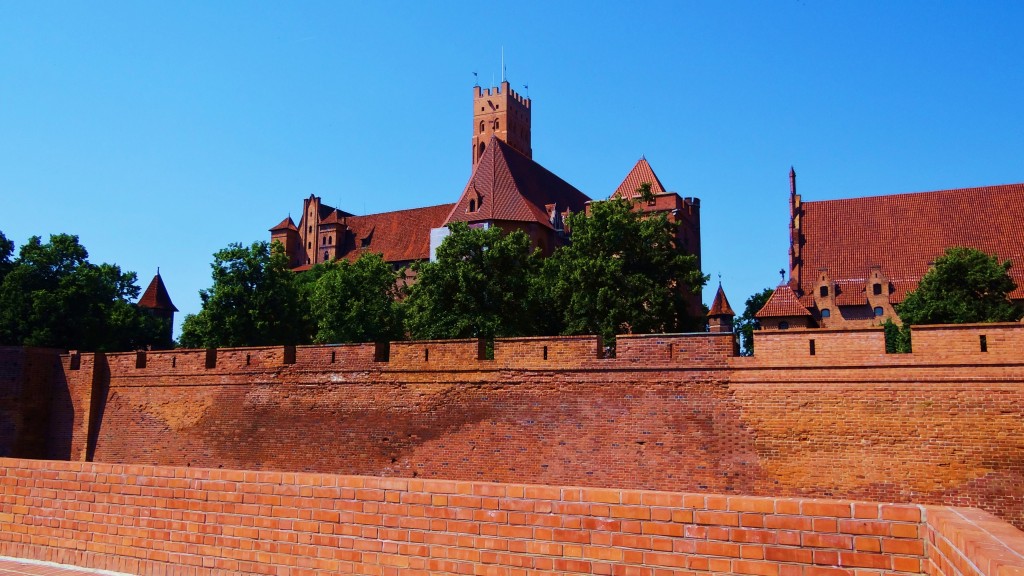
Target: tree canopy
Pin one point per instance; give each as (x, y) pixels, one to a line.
(746, 322)
(965, 285)
(51, 295)
(357, 302)
(479, 286)
(254, 301)
(622, 273)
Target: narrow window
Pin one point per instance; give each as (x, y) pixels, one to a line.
(327, 256)
(426, 354)
(76, 362)
(481, 126)
(824, 291)
(323, 241)
(472, 205)
(248, 359)
(812, 347)
(879, 311)
(826, 313)
(309, 245)
(140, 359)
(497, 124)
(481, 150)
(174, 361)
(545, 352)
(984, 343)
(877, 289)
(310, 228)
(783, 325)
(332, 356)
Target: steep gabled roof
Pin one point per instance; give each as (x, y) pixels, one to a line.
(903, 233)
(720, 307)
(398, 236)
(156, 296)
(640, 174)
(783, 302)
(505, 185)
(286, 224)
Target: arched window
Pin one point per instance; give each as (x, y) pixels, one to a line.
(481, 126)
(472, 205)
(480, 150)
(497, 124)
(826, 313)
(879, 311)
(323, 241)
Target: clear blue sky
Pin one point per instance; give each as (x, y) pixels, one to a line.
(160, 132)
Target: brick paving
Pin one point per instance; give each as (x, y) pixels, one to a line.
(17, 567)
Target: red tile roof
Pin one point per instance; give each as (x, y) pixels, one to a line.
(720, 307)
(398, 236)
(903, 233)
(286, 224)
(642, 173)
(507, 186)
(156, 296)
(783, 302)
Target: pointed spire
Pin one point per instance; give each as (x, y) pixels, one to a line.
(792, 181)
(156, 296)
(720, 307)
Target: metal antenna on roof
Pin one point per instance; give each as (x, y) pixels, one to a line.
(526, 87)
(503, 63)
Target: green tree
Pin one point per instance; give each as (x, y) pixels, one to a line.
(478, 287)
(897, 338)
(254, 301)
(53, 296)
(746, 323)
(6, 250)
(965, 285)
(357, 302)
(622, 273)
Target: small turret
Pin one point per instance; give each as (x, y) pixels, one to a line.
(157, 302)
(721, 314)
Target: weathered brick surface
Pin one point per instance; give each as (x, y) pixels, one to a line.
(189, 521)
(25, 384)
(670, 412)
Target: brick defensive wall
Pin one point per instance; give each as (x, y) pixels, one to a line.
(823, 414)
(199, 522)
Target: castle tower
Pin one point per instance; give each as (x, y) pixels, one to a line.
(503, 113)
(157, 302)
(721, 314)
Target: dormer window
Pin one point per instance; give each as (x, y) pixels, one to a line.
(877, 288)
(365, 242)
(472, 205)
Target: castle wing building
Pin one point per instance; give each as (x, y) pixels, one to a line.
(852, 260)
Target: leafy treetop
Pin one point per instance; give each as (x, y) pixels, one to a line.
(965, 285)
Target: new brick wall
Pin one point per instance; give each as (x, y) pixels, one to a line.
(145, 519)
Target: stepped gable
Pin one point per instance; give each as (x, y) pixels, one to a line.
(398, 236)
(783, 302)
(903, 233)
(640, 174)
(156, 297)
(720, 307)
(507, 186)
(286, 224)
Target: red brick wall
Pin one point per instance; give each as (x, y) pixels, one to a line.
(26, 376)
(141, 518)
(670, 412)
(969, 542)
